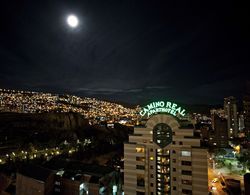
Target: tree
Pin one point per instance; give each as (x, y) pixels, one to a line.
(230, 166)
(244, 159)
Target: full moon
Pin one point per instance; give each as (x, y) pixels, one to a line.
(72, 21)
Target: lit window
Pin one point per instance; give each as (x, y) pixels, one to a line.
(82, 186)
(185, 153)
(142, 159)
(151, 158)
(139, 150)
(186, 182)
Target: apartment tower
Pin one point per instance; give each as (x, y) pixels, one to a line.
(230, 108)
(163, 157)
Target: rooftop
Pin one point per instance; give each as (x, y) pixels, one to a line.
(74, 167)
(35, 172)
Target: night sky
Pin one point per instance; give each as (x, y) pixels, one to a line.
(126, 50)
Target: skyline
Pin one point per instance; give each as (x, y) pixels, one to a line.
(126, 51)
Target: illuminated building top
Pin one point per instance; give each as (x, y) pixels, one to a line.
(162, 107)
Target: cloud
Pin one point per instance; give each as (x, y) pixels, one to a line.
(134, 90)
(106, 91)
(157, 87)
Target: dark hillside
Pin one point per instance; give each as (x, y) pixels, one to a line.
(53, 128)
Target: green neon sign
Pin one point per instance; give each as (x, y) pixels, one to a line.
(162, 107)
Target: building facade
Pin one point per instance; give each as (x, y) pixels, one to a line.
(34, 180)
(77, 179)
(230, 108)
(246, 110)
(162, 158)
(219, 135)
(216, 112)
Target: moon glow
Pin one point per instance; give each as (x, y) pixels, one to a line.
(72, 21)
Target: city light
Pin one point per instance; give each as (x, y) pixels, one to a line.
(34, 102)
(237, 148)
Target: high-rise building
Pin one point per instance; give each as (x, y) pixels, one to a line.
(241, 122)
(216, 112)
(230, 108)
(163, 157)
(246, 110)
(218, 136)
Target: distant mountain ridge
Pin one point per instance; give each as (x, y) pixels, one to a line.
(197, 108)
(37, 102)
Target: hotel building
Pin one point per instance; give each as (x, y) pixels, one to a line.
(164, 157)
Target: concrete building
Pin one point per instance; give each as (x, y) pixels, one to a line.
(216, 112)
(230, 108)
(34, 180)
(218, 136)
(241, 123)
(81, 185)
(246, 110)
(163, 157)
(75, 179)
